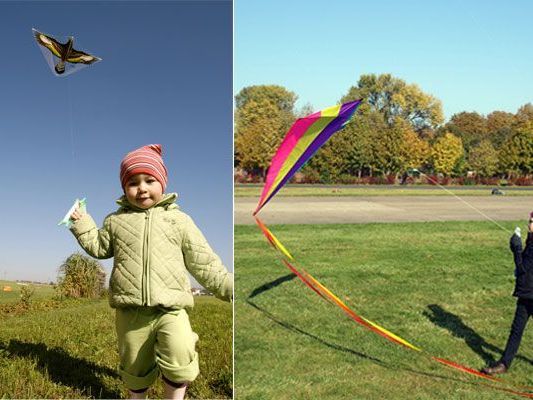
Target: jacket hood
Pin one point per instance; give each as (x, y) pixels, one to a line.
(167, 200)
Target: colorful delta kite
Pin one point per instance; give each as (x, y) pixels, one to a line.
(62, 58)
(304, 138)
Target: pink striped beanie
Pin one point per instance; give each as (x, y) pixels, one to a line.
(144, 160)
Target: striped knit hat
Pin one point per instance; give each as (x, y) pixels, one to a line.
(144, 160)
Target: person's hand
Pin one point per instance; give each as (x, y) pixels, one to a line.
(518, 232)
(76, 214)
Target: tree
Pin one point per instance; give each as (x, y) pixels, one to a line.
(471, 127)
(81, 276)
(263, 116)
(446, 152)
(484, 159)
(516, 155)
(499, 127)
(277, 95)
(414, 151)
(524, 115)
(259, 130)
(393, 98)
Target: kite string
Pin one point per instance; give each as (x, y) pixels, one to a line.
(465, 202)
(71, 126)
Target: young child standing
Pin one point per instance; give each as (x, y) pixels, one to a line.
(154, 244)
(524, 305)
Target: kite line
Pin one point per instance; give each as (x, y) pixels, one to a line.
(464, 201)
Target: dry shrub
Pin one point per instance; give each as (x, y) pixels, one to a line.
(81, 276)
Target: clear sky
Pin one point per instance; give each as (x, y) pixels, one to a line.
(166, 77)
(472, 55)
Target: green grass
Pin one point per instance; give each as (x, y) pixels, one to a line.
(321, 190)
(41, 291)
(71, 352)
(444, 286)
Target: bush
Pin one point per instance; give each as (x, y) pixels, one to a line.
(490, 181)
(347, 179)
(523, 181)
(390, 179)
(81, 276)
(26, 293)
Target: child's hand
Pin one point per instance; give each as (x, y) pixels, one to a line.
(76, 214)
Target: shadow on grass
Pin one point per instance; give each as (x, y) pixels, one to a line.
(459, 329)
(64, 369)
(401, 366)
(295, 329)
(439, 316)
(271, 285)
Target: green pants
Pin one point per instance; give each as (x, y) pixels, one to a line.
(152, 339)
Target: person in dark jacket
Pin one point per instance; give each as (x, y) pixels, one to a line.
(524, 291)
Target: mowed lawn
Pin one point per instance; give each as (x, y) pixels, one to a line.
(444, 286)
(71, 352)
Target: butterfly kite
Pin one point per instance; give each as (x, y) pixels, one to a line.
(302, 140)
(63, 58)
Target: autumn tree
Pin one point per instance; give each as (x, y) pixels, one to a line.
(258, 132)
(483, 159)
(524, 115)
(263, 115)
(516, 155)
(499, 127)
(446, 152)
(414, 151)
(471, 127)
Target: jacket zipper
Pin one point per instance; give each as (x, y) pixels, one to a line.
(146, 255)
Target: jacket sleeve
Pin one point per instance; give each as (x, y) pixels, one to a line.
(529, 240)
(202, 262)
(96, 242)
(516, 248)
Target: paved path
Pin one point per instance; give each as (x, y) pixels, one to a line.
(313, 210)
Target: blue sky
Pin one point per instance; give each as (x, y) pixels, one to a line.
(472, 55)
(166, 77)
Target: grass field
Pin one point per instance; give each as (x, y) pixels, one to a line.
(71, 352)
(41, 291)
(444, 286)
(322, 190)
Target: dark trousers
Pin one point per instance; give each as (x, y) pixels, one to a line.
(524, 309)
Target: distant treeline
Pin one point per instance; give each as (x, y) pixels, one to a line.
(398, 127)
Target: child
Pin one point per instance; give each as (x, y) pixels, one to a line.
(524, 292)
(154, 244)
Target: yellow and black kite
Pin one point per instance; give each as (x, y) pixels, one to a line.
(62, 57)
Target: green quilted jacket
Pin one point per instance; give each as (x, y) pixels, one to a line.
(153, 249)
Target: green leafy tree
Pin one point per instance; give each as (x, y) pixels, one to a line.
(81, 276)
(484, 159)
(393, 98)
(499, 127)
(446, 153)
